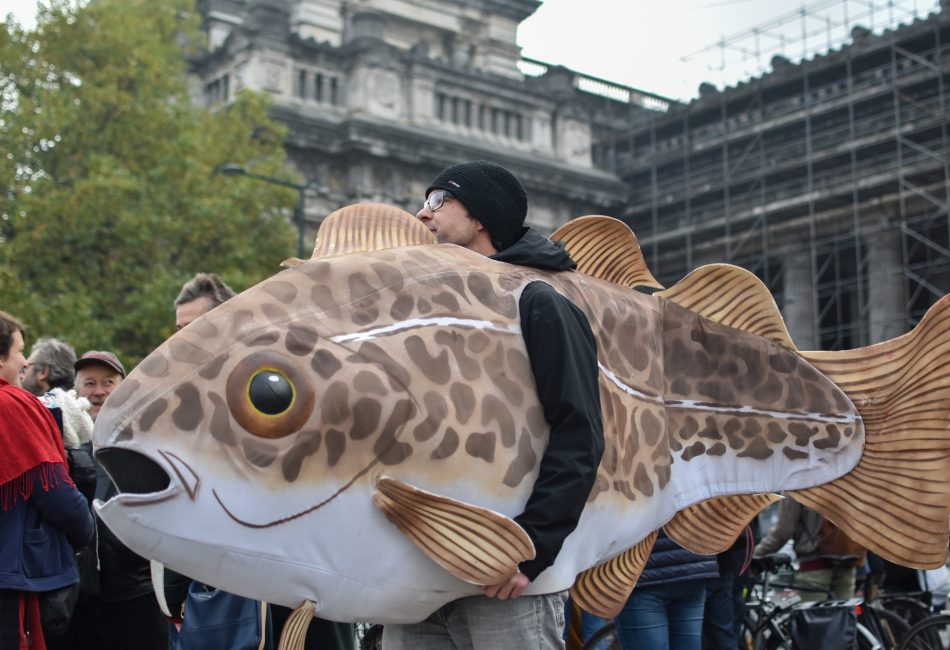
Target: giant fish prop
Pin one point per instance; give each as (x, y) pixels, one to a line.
(358, 430)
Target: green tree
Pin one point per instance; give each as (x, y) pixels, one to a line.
(109, 199)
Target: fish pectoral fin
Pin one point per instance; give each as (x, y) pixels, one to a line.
(730, 295)
(604, 589)
(712, 526)
(363, 227)
(472, 543)
(606, 248)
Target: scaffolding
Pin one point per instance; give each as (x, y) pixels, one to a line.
(828, 178)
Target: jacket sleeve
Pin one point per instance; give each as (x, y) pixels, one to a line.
(64, 506)
(563, 356)
(788, 514)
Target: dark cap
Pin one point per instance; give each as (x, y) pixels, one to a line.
(491, 194)
(102, 357)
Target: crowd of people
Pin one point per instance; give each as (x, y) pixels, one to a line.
(50, 400)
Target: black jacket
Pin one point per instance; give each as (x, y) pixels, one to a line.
(123, 574)
(563, 355)
(669, 562)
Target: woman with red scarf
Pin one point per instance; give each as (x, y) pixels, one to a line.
(41, 511)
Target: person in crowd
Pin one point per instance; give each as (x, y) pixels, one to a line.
(722, 616)
(198, 296)
(49, 366)
(42, 514)
(481, 206)
(128, 613)
(818, 546)
(98, 373)
(665, 610)
(49, 374)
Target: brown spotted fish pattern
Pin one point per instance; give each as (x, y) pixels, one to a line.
(409, 363)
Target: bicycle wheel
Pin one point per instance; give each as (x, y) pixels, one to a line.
(368, 636)
(930, 634)
(911, 610)
(603, 639)
(889, 628)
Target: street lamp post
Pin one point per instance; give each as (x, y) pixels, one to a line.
(234, 169)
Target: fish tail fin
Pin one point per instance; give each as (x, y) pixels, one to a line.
(896, 501)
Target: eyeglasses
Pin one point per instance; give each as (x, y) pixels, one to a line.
(436, 200)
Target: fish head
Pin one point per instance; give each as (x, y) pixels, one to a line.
(251, 417)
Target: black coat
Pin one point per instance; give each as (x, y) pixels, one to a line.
(563, 356)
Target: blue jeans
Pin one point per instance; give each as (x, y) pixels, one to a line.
(663, 617)
(720, 631)
(479, 623)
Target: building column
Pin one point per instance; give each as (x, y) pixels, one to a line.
(799, 309)
(887, 308)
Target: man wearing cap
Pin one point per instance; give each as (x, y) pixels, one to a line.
(128, 614)
(98, 373)
(482, 206)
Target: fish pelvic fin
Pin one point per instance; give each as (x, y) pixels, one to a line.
(712, 526)
(603, 590)
(896, 502)
(732, 296)
(363, 227)
(472, 543)
(606, 248)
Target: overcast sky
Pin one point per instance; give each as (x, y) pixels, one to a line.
(668, 47)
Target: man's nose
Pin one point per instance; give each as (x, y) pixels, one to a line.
(424, 213)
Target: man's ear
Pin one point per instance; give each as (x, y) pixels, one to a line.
(43, 374)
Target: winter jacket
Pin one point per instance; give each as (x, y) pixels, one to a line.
(563, 356)
(669, 562)
(35, 552)
(41, 511)
(797, 522)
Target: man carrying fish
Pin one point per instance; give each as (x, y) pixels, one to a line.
(481, 206)
(395, 429)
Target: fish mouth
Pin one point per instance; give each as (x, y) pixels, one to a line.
(137, 475)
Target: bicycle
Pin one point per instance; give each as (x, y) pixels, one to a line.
(932, 633)
(775, 620)
(369, 636)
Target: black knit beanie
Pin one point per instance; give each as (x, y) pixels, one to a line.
(491, 194)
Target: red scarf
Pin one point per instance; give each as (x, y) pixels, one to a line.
(30, 446)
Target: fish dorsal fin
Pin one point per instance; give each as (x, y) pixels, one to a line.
(365, 227)
(606, 248)
(732, 296)
(710, 527)
(603, 590)
(474, 544)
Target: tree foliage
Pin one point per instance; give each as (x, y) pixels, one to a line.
(109, 199)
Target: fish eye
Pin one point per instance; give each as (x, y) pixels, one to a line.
(270, 392)
(268, 395)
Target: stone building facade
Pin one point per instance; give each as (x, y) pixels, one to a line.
(380, 95)
(828, 178)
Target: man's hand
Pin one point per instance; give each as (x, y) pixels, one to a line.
(510, 588)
